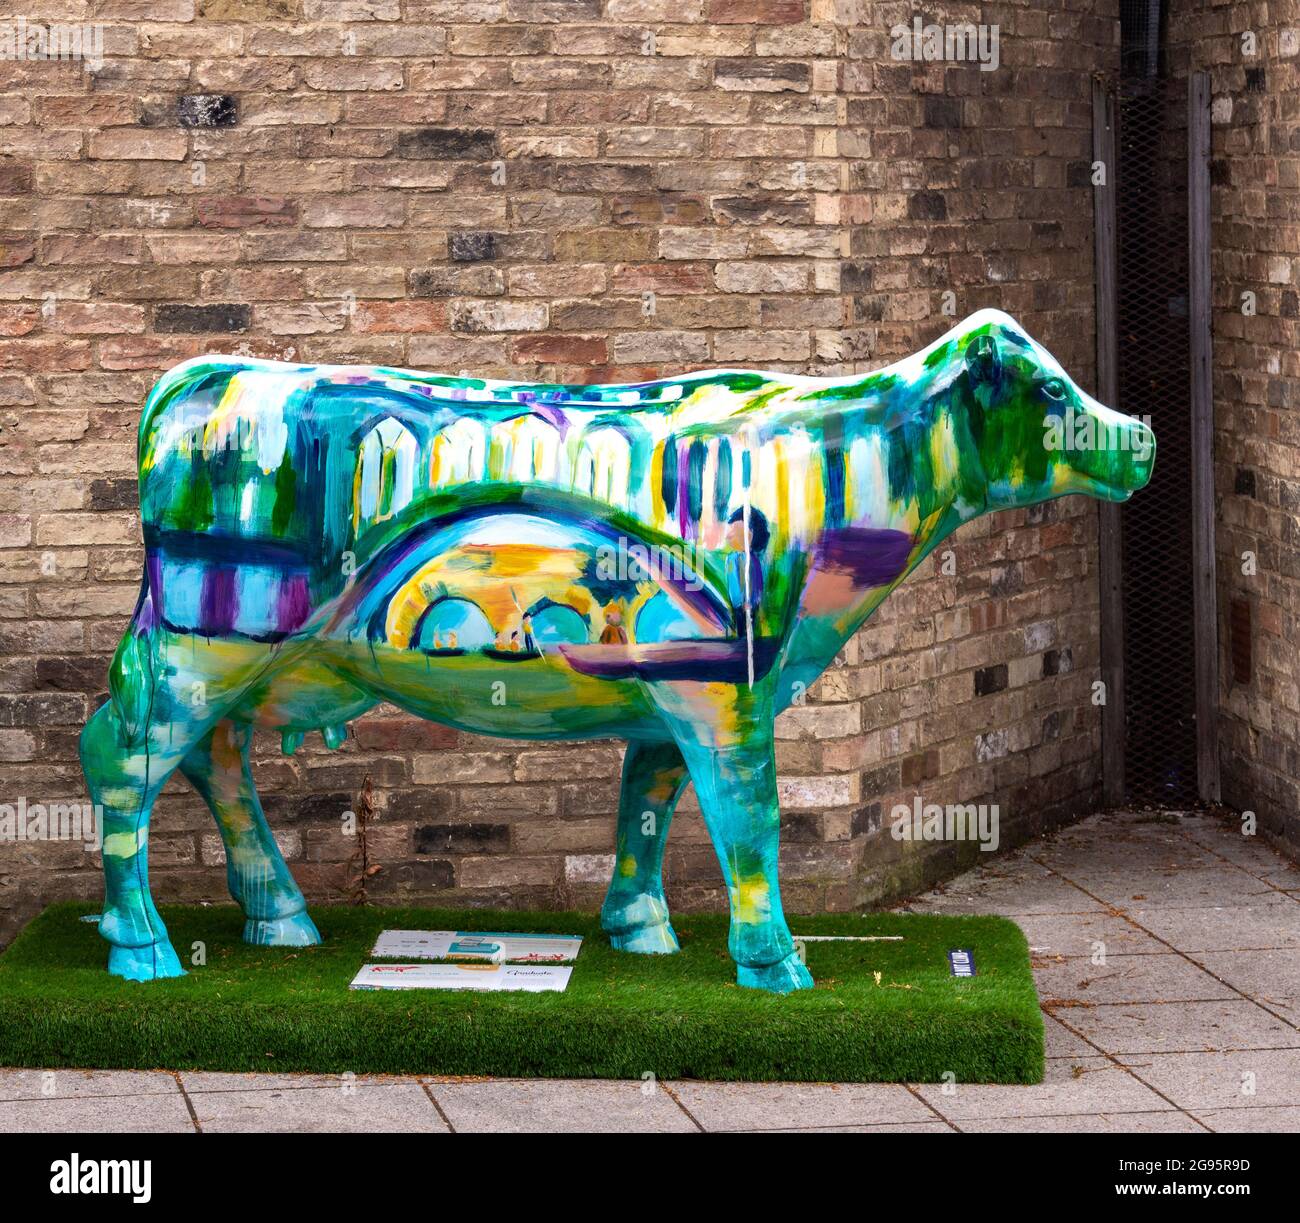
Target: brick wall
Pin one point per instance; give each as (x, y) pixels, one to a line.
(545, 189)
(967, 189)
(1255, 175)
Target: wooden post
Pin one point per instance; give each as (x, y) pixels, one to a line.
(1202, 392)
(1111, 526)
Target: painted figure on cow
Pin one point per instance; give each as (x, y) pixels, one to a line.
(671, 563)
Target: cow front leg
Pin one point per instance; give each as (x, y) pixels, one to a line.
(635, 914)
(275, 911)
(736, 785)
(124, 781)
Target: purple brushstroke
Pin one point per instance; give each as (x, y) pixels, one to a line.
(293, 604)
(870, 557)
(701, 660)
(218, 602)
(552, 415)
(685, 527)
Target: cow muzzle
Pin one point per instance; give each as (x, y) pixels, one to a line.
(1115, 455)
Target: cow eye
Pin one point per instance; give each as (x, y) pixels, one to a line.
(1054, 389)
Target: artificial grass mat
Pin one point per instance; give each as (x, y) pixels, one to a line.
(881, 1012)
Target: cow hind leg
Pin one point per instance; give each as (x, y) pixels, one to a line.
(635, 914)
(167, 691)
(275, 911)
(124, 781)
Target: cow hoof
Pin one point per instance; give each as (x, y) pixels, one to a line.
(296, 931)
(783, 977)
(658, 939)
(152, 962)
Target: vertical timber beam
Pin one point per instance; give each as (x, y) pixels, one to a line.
(1202, 393)
(1110, 542)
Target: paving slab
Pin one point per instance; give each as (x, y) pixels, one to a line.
(1071, 1086)
(1059, 1041)
(1127, 978)
(1285, 876)
(1033, 889)
(1137, 885)
(1271, 925)
(103, 1114)
(196, 1081)
(1258, 974)
(1171, 1122)
(1266, 1120)
(1224, 839)
(1181, 1027)
(775, 1106)
(1080, 934)
(63, 1084)
(1221, 1080)
(1287, 1009)
(1167, 853)
(402, 1107)
(542, 1106)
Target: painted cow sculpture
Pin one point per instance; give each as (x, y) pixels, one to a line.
(671, 563)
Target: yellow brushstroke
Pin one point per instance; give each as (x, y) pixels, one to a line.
(223, 416)
(126, 844)
(751, 900)
(943, 451)
(658, 509)
(356, 498)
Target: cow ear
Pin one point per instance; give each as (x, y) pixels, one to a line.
(984, 360)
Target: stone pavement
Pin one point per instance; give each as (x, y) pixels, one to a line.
(1167, 954)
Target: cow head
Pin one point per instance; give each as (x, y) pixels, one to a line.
(1038, 434)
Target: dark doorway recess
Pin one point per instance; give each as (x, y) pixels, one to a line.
(1154, 379)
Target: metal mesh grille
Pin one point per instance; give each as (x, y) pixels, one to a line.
(1155, 380)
